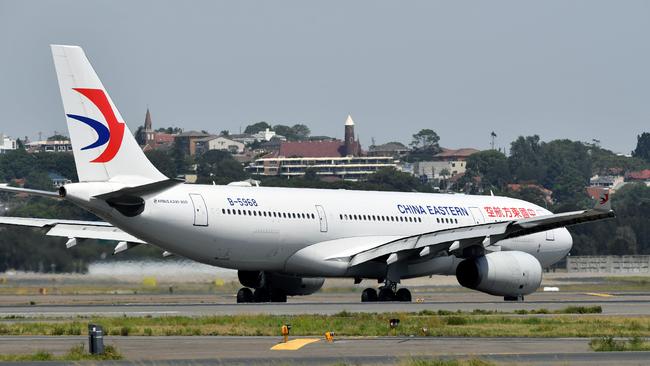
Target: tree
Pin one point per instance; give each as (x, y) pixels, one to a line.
(525, 159)
(424, 146)
(139, 136)
(39, 180)
(224, 133)
(642, 149)
(390, 179)
(426, 140)
(219, 167)
(285, 131)
(300, 131)
(58, 137)
(163, 161)
(490, 167)
(257, 127)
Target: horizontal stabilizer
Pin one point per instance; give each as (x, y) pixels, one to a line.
(143, 190)
(33, 192)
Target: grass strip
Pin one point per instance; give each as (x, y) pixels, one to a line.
(348, 324)
(76, 353)
(609, 344)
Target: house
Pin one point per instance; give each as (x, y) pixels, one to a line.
(454, 154)
(218, 143)
(394, 149)
(610, 182)
(49, 146)
(58, 180)
(332, 159)
(638, 176)
(154, 140)
(187, 140)
(547, 193)
(6, 143)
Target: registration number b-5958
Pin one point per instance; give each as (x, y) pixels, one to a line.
(242, 202)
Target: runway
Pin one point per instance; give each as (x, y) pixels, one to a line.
(382, 350)
(627, 304)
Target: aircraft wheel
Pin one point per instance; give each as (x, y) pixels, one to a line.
(261, 295)
(403, 294)
(244, 295)
(369, 295)
(386, 294)
(278, 296)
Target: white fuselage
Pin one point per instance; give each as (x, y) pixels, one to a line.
(262, 228)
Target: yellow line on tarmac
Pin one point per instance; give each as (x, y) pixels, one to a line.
(598, 294)
(294, 344)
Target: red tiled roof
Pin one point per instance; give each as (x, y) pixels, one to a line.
(463, 152)
(639, 175)
(163, 138)
(312, 149)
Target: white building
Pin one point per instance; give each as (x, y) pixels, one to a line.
(218, 143)
(265, 135)
(6, 143)
(49, 146)
(438, 169)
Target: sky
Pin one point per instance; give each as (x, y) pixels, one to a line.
(559, 69)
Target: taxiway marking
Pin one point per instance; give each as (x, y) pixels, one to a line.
(294, 344)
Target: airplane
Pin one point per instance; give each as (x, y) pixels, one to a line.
(286, 241)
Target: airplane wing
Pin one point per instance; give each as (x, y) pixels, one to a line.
(456, 239)
(74, 229)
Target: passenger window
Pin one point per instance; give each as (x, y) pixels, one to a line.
(341, 217)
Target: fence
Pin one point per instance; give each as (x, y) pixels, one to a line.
(609, 264)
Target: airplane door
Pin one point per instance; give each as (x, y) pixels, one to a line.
(200, 210)
(322, 218)
(477, 215)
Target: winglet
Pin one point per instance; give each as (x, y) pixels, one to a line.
(603, 202)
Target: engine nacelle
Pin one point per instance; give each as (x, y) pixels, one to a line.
(290, 285)
(508, 273)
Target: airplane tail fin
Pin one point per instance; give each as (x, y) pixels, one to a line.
(603, 202)
(103, 146)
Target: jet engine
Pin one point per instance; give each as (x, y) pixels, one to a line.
(508, 273)
(288, 284)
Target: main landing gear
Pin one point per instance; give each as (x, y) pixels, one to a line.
(386, 293)
(262, 294)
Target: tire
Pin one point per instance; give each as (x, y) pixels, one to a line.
(261, 295)
(244, 295)
(386, 294)
(369, 295)
(278, 296)
(404, 295)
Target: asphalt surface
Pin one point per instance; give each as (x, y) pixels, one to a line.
(199, 350)
(627, 304)
(383, 350)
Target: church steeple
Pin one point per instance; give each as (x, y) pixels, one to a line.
(148, 128)
(147, 121)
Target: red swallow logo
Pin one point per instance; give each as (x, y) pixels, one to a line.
(115, 128)
(604, 198)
